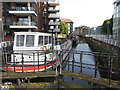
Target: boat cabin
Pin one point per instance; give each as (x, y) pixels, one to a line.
(32, 41)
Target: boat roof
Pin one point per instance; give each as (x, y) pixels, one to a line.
(31, 33)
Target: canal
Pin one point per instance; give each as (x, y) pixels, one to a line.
(89, 59)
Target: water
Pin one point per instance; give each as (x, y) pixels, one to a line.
(89, 59)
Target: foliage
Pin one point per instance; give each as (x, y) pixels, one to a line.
(63, 28)
(107, 26)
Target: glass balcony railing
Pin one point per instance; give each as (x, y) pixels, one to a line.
(53, 16)
(53, 0)
(53, 9)
(23, 8)
(54, 23)
(23, 24)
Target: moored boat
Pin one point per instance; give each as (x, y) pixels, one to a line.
(35, 51)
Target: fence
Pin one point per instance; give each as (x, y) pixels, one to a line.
(110, 39)
(109, 66)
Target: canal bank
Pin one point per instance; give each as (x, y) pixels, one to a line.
(112, 58)
(99, 46)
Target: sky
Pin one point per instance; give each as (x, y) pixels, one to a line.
(90, 13)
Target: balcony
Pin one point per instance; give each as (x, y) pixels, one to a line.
(54, 23)
(22, 11)
(25, 25)
(53, 9)
(53, 2)
(54, 16)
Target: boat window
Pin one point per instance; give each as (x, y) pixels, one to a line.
(50, 41)
(46, 40)
(40, 41)
(29, 40)
(20, 40)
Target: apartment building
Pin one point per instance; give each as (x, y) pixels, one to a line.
(35, 16)
(82, 30)
(53, 16)
(116, 20)
(19, 17)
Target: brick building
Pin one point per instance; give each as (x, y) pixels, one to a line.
(82, 30)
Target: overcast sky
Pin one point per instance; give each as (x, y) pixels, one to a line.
(91, 13)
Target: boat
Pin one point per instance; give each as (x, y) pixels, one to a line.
(36, 51)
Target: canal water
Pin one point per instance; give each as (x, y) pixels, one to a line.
(89, 59)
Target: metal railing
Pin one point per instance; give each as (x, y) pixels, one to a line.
(108, 65)
(54, 23)
(110, 39)
(23, 23)
(109, 68)
(22, 8)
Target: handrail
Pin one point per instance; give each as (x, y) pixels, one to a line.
(108, 68)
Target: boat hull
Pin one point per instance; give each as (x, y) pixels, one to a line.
(31, 68)
(35, 67)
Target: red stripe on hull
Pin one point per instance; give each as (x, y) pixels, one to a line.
(28, 68)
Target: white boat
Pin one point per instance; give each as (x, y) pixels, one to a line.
(33, 51)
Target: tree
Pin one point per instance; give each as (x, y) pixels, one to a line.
(63, 28)
(107, 26)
